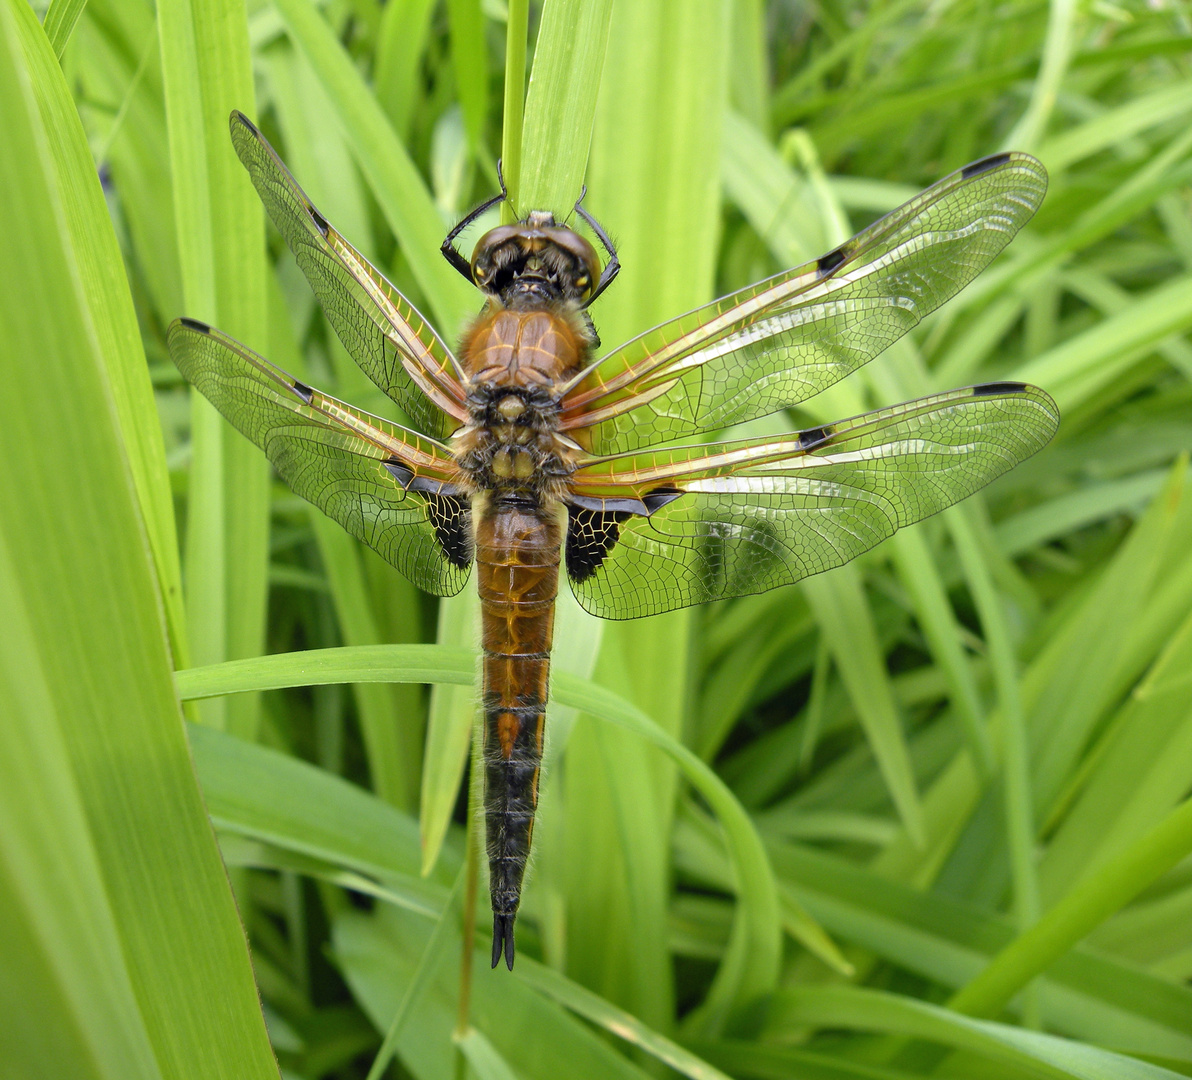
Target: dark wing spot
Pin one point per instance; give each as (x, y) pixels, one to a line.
(828, 263)
(659, 497)
(433, 487)
(984, 165)
(401, 473)
(998, 388)
(321, 222)
(628, 506)
(814, 437)
(591, 535)
(194, 324)
(451, 517)
(303, 391)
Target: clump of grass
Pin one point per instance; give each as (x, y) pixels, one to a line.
(926, 815)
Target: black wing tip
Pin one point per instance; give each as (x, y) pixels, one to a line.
(321, 223)
(194, 324)
(237, 117)
(990, 388)
(503, 938)
(306, 393)
(985, 164)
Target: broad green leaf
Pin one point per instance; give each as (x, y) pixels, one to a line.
(124, 954)
(101, 274)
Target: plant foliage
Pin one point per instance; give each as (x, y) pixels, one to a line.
(926, 815)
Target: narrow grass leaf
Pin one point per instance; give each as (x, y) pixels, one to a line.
(844, 618)
(561, 103)
(59, 23)
(391, 174)
(1097, 897)
(378, 956)
(469, 55)
(871, 1010)
(486, 1061)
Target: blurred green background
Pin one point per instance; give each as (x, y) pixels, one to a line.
(926, 815)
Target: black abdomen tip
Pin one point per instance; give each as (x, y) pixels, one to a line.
(503, 938)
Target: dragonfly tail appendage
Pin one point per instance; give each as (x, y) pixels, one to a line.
(517, 557)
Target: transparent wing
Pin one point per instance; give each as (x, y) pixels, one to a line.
(785, 339)
(728, 519)
(394, 345)
(389, 487)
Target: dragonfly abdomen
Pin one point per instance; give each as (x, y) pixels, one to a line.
(517, 561)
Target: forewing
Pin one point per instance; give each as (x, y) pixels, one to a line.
(736, 518)
(388, 486)
(785, 339)
(382, 331)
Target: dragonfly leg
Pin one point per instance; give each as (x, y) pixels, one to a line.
(611, 268)
(448, 248)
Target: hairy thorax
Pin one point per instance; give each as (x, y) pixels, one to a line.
(514, 360)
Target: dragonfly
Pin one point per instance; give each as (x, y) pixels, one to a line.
(531, 457)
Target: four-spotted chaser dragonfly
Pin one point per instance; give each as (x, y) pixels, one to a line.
(524, 453)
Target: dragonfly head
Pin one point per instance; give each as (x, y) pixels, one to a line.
(535, 261)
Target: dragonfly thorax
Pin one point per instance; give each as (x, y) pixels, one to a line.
(512, 443)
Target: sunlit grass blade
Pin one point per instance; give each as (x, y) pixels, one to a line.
(96, 981)
(220, 231)
(101, 274)
(561, 104)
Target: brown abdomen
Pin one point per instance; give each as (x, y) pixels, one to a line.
(517, 563)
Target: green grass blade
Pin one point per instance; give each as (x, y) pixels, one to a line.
(220, 231)
(561, 104)
(400, 44)
(386, 165)
(101, 274)
(469, 54)
(59, 23)
(841, 610)
(516, 34)
(93, 731)
(378, 957)
(870, 1010)
(1098, 896)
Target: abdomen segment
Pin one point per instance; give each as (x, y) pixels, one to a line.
(517, 561)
